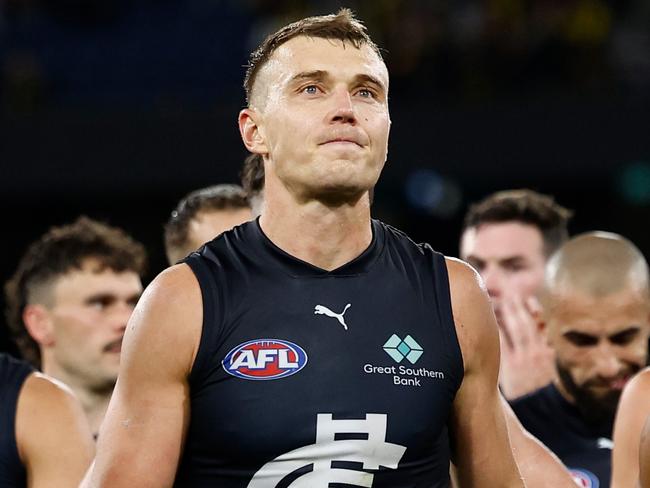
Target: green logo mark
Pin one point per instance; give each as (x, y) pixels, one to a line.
(399, 349)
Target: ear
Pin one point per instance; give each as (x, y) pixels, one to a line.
(250, 132)
(39, 324)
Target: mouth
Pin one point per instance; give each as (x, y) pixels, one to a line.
(619, 383)
(114, 347)
(341, 142)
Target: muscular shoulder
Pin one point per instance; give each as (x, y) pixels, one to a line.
(473, 316)
(49, 413)
(638, 389)
(168, 317)
(636, 395)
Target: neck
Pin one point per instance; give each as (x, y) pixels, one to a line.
(323, 234)
(93, 401)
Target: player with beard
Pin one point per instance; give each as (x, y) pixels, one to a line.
(68, 304)
(596, 316)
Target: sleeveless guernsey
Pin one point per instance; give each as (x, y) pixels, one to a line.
(586, 450)
(306, 378)
(13, 374)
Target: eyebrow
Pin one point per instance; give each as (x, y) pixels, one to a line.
(321, 75)
(111, 297)
(309, 75)
(631, 331)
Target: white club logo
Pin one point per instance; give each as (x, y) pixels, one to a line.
(323, 310)
(372, 453)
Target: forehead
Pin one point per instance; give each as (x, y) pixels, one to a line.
(89, 280)
(580, 312)
(336, 57)
(502, 240)
(207, 224)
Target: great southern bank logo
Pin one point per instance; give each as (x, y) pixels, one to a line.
(399, 349)
(265, 359)
(404, 374)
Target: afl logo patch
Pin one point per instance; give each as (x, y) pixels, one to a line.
(585, 478)
(265, 359)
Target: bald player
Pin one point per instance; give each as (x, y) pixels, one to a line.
(633, 413)
(201, 216)
(595, 311)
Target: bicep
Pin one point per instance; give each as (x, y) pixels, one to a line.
(141, 438)
(481, 446)
(53, 435)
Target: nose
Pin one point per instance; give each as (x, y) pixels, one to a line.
(343, 110)
(121, 316)
(493, 280)
(607, 364)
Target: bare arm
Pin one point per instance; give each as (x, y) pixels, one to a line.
(142, 435)
(538, 466)
(52, 433)
(644, 456)
(480, 443)
(633, 410)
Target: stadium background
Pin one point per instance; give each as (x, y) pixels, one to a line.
(117, 109)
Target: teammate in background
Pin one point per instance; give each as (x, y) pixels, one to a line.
(633, 412)
(319, 295)
(201, 216)
(68, 304)
(596, 309)
(508, 237)
(252, 180)
(44, 439)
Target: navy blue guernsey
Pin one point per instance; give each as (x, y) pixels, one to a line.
(586, 450)
(307, 378)
(13, 374)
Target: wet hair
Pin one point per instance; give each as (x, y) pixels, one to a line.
(57, 252)
(212, 198)
(342, 26)
(526, 207)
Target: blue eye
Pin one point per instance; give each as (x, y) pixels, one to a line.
(311, 89)
(366, 93)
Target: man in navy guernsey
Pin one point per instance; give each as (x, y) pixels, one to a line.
(314, 347)
(596, 311)
(45, 440)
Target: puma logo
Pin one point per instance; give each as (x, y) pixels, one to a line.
(323, 310)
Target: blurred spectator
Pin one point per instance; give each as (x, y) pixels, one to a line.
(68, 304)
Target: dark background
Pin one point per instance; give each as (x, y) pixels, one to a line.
(117, 109)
